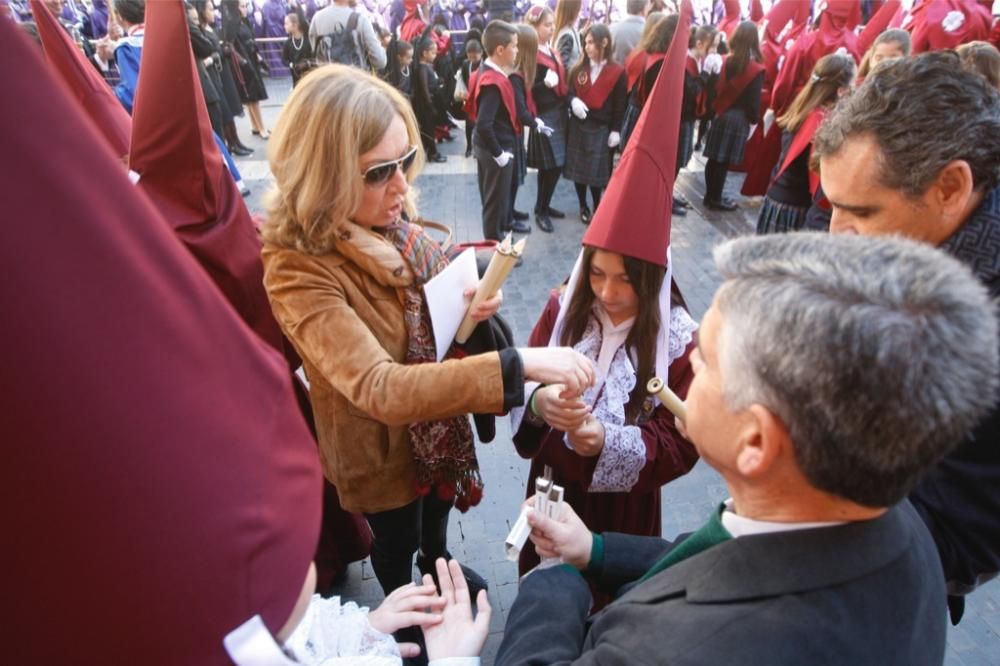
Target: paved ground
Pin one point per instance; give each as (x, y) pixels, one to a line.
(448, 194)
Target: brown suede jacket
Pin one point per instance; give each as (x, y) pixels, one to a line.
(343, 313)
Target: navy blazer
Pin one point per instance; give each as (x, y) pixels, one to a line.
(861, 593)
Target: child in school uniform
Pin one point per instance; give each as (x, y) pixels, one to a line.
(527, 113)
(427, 98)
(493, 109)
(400, 62)
(463, 78)
(547, 153)
(597, 99)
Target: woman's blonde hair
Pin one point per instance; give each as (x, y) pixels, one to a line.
(335, 114)
(527, 53)
(567, 15)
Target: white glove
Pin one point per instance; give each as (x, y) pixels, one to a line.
(551, 79)
(504, 159)
(614, 140)
(542, 127)
(713, 63)
(579, 108)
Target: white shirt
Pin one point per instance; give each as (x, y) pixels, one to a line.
(595, 70)
(493, 65)
(612, 337)
(740, 526)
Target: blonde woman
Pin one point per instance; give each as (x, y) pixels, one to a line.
(344, 270)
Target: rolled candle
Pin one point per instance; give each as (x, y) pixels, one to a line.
(656, 387)
(501, 264)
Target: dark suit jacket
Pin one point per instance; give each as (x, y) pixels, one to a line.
(861, 593)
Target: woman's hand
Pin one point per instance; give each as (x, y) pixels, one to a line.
(457, 635)
(487, 308)
(558, 365)
(567, 538)
(560, 409)
(405, 607)
(588, 439)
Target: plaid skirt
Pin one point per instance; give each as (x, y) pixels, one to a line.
(728, 137)
(685, 144)
(549, 152)
(588, 158)
(776, 217)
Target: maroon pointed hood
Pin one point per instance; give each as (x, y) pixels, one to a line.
(85, 85)
(634, 216)
(181, 169)
(154, 451)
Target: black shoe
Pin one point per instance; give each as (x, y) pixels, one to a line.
(468, 152)
(520, 227)
(472, 579)
(543, 222)
(679, 210)
(678, 199)
(555, 214)
(240, 152)
(724, 204)
(438, 157)
(585, 215)
(520, 215)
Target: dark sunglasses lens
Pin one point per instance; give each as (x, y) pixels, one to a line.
(380, 174)
(408, 161)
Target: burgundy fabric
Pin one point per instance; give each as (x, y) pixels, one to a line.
(701, 102)
(731, 18)
(529, 99)
(634, 216)
(756, 11)
(801, 142)
(947, 24)
(182, 172)
(487, 76)
(763, 150)
(555, 63)
(595, 93)
(83, 82)
(877, 24)
(160, 485)
(727, 92)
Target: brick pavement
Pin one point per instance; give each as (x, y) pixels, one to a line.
(448, 194)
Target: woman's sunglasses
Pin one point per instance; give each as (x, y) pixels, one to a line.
(379, 174)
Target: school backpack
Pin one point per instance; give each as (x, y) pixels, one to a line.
(341, 45)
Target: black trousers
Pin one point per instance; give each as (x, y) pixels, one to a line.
(398, 534)
(494, 192)
(715, 179)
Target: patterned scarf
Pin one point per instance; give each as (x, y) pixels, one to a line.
(444, 450)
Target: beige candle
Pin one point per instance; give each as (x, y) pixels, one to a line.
(667, 397)
(501, 264)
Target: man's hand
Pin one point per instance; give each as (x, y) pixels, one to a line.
(457, 635)
(588, 439)
(487, 308)
(558, 365)
(567, 538)
(559, 408)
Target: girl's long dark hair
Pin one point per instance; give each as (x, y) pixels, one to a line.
(600, 32)
(646, 279)
(743, 47)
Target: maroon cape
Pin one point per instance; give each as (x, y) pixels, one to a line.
(160, 485)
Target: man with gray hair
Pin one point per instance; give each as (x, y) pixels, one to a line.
(625, 33)
(821, 396)
(916, 151)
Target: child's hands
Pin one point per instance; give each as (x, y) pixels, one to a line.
(457, 635)
(405, 607)
(559, 408)
(588, 439)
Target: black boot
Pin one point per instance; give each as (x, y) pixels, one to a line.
(543, 222)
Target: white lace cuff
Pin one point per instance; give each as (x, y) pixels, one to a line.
(330, 631)
(621, 460)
